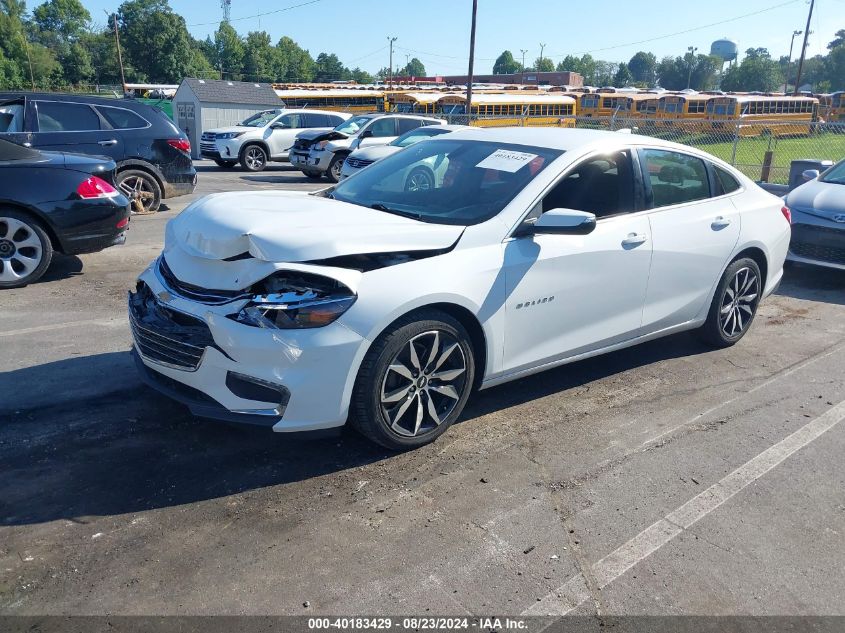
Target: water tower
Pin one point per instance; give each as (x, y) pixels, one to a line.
(725, 49)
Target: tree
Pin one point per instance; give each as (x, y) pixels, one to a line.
(505, 64)
(643, 67)
(362, 76)
(67, 18)
(155, 40)
(758, 72)
(544, 65)
(228, 51)
(329, 68)
(838, 41)
(258, 57)
(413, 68)
(569, 63)
(299, 63)
(623, 76)
(835, 67)
(674, 72)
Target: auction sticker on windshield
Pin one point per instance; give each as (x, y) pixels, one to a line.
(506, 160)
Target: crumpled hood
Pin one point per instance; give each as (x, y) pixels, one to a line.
(819, 198)
(277, 226)
(320, 134)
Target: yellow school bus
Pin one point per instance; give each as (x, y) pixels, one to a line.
(497, 110)
(413, 102)
(673, 108)
(342, 100)
(753, 115)
(641, 106)
(836, 114)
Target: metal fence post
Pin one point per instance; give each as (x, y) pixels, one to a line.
(736, 142)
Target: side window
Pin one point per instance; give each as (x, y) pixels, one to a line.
(603, 185)
(311, 119)
(333, 120)
(725, 182)
(675, 178)
(406, 125)
(121, 118)
(290, 121)
(56, 116)
(11, 117)
(383, 127)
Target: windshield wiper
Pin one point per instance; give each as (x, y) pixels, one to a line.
(378, 206)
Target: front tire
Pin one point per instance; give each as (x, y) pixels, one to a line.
(414, 381)
(734, 304)
(25, 249)
(254, 158)
(420, 179)
(335, 167)
(313, 175)
(226, 164)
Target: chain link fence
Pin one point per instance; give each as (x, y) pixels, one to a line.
(763, 150)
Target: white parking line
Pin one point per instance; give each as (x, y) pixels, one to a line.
(574, 592)
(59, 326)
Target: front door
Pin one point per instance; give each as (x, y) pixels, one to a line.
(569, 294)
(693, 235)
(283, 131)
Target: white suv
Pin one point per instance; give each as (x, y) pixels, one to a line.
(318, 152)
(263, 137)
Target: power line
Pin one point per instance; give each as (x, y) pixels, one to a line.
(260, 15)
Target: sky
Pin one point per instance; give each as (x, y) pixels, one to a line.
(437, 31)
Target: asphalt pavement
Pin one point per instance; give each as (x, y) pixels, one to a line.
(664, 479)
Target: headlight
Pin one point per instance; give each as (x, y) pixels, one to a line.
(229, 135)
(322, 144)
(289, 300)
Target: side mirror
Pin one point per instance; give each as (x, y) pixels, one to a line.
(810, 174)
(279, 126)
(365, 134)
(564, 222)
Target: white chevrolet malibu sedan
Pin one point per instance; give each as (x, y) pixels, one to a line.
(386, 308)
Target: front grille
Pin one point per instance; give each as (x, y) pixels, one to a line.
(166, 336)
(302, 145)
(818, 242)
(195, 293)
(358, 163)
(207, 142)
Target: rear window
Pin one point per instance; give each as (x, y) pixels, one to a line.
(121, 118)
(57, 116)
(725, 182)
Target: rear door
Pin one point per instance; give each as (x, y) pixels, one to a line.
(63, 126)
(12, 123)
(693, 235)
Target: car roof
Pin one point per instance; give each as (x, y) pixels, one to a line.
(558, 138)
(118, 102)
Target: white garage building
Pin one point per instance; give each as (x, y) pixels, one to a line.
(205, 104)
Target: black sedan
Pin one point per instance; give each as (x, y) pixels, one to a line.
(54, 201)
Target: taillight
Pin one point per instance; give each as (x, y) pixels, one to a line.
(182, 144)
(123, 223)
(95, 187)
(786, 213)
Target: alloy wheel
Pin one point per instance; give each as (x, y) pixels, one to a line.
(254, 158)
(739, 302)
(423, 383)
(419, 181)
(139, 191)
(337, 167)
(20, 250)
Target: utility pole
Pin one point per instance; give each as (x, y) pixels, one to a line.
(119, 54)
(470, 76)
(390, 65)
(804, 48)
(789, 59)
(691, 50)
(540, 65)
(523, 51)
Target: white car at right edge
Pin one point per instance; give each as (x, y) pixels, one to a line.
(386, 307)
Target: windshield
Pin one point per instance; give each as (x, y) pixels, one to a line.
(260, 119)
(420, 134)
(447, 181)
(351, 126)
(835, 175)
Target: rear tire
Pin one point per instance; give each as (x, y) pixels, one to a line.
(414, 382)
(734, 304)
(141, 188)
(25, 249)
(313, 175)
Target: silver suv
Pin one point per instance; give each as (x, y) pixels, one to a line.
(264, 137)
(322, 152)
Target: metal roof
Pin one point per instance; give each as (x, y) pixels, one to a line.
(235, 92)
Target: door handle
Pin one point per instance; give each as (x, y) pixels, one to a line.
(111, 141)
(720, 223)
(634, 239)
